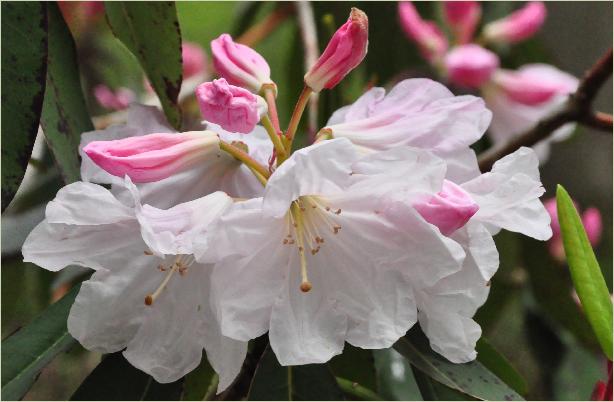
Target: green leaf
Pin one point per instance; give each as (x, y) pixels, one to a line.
(471, 378)
(115, 379)
(394, 376)
(432, 390)
(29, 350)
(200, 383)
(24, 68)
(150, 30)
(585, 271)
(500, 366)
(357, 391)
(64, 117)
(293, 383)
(355, 364)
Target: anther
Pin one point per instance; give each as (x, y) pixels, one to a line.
(305, 286)
(148, 300)
(161, 268)
(327, 208)
(285, 241)
(336, 229)
(147, 252)
(337, 212)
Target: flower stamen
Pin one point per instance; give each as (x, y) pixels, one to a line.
(180, 266)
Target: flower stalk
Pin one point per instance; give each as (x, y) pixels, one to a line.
(245, 158)
(297, 114)
(268, 92)
(275, 138)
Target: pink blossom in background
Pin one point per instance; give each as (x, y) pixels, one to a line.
(81, 13)
(526, 87)
(344, 52)
(518, 26)
(152, 157)
(240, 65)
(591, 219)
(194, 59)
(117, 100)
(470, 65)
(449, 209)
(430, 39)
(233, 108)
(463, 17)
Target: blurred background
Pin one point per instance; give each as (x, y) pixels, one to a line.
(531, 315)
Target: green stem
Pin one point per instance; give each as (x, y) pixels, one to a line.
(296, 115)
(357, 390)
(275, 138)
(212, 388)
(245, 158)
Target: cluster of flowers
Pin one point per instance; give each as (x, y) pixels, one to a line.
(517, 98)
(383, 223)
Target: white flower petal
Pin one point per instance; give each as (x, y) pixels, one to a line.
(510, 200)
(174, 230)
(306, 327)
(419, 113)
(451, 335)
(322, 168)
(82, 203)
(110, 306)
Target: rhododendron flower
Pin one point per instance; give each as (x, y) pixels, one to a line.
(147, 294)
(217, 172)
(233, 108)
(518, 26)
(515, 112)
(470, 65)
(507, 197)
(344, 52)
(429, 38)
(463, 17)
(118, 100)
(239, 64)
(591, 220)
(419, 113)
(322, 228)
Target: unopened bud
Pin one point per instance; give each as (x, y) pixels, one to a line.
(518, 26)
(470, 65)
(344, 52)
(233, 108)
(463, 18)
(430, 40)
(449, 210)
(240, 65)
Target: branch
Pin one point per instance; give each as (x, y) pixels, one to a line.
(576, 109)
(309, 35)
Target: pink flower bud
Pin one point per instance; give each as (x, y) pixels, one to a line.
(470, 65)
(344, 52)
(430, 40)
(463, 18)
(193, 58)
(449, 209)
(239, 64)
(233, 108)
(591, 220)
(531, 86)
(152, 157)
(108, 99)
(518, 26)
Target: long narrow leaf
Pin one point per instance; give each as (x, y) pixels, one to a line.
(585, 272)
(64, 117)
(471, 378)
(29, 350)
(150, 30)
(24, 68)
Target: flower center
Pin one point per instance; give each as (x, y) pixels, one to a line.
(181, 265)
(308, 215)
